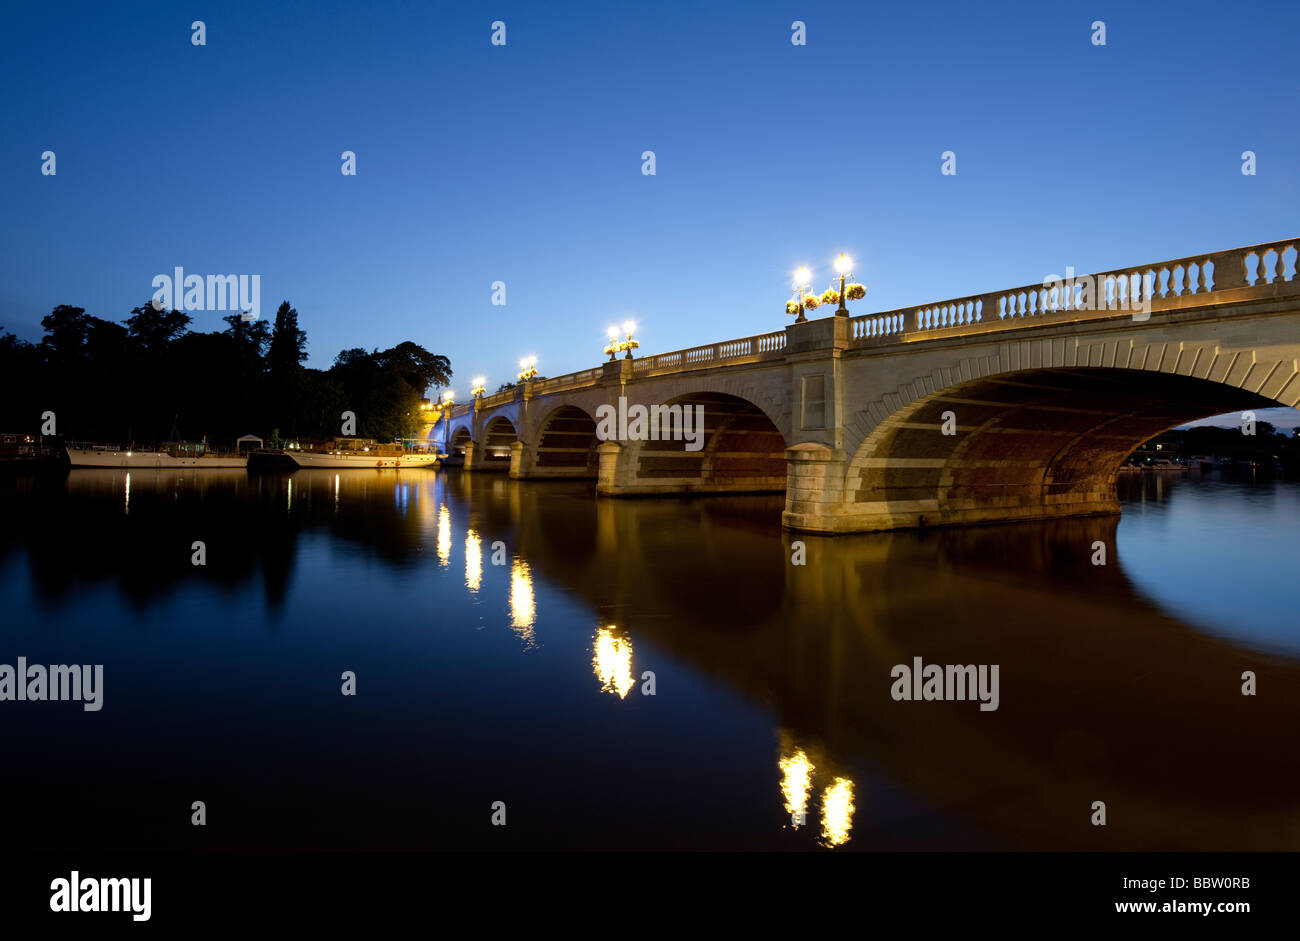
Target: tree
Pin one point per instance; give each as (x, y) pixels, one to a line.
(384, 388)
(288, 346)
(416, 366)
(66, 329)
(253, 335)
(152, 330)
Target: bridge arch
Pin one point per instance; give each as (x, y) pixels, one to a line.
(460, 439)
(739, 448)
(1029, 442)
(766, 390)
(565, 443)
(495, 441)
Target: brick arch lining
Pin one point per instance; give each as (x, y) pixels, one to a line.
(1028, 443)
(772, 399)
(741, 449)
(565, 442)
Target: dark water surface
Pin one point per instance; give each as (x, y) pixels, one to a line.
(522, 682)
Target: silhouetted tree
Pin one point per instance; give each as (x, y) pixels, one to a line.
(153, 331)
(288, 344)
(112, 382)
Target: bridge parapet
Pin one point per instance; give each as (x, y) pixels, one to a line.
(497, 398)
(755, 349)
(1248, 273)
(573, 380)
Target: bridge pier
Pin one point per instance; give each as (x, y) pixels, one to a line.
(472, 451)
(520, 463)
(814, 494)
(616, 469)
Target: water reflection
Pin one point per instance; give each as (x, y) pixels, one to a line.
(444, 535)
(796, 784)
(473, 561)
(837, 812)
(1111, 685)
(612, 660)
(523, 609)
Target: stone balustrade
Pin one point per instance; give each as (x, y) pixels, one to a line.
(1268, 268)
(1254, 270)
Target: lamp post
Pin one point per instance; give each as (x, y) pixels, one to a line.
(629, 344)
(479, 388)
(844, 265)
(615, 345)
(527, 368)
(448, 399)
(802, 278)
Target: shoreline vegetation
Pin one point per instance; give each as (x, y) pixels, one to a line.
(137, 380)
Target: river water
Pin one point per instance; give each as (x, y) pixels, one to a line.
(504, 637)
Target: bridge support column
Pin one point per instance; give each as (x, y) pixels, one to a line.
(470, 451)
(814, 494)
(616, 468)
(521, 461)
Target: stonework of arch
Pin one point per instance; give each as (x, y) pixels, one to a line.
(492, 447)
(1040, 426)
(767, 389)
(564, 444)
(460, 440)
(1238, 368)
(740, 450)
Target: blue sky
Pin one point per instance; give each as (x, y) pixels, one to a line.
(522, 163)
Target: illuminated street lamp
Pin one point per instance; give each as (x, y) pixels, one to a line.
(527, 368)
(615, 345)
(802, 278)
(479, 387)
(844, 265)
(630, 344)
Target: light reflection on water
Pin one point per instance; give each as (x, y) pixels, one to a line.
(473, 561)
(772, 680)
(612, 660)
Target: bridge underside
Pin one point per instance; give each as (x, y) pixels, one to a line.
(1031, 445)
(739, 451)
(566, 447)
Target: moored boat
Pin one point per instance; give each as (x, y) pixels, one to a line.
(361, 454)
(172, 454)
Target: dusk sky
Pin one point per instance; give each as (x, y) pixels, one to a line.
(522, 163)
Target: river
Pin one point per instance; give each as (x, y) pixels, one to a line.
(641, 673)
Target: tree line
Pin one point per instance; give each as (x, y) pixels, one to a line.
(133, 381)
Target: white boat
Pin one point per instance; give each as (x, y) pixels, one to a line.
(361, 454)
(180, 455)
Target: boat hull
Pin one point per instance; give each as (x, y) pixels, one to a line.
(310, 459)
(85, 457)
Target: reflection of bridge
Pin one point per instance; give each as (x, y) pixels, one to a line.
(1120, 711)
(1048, 394)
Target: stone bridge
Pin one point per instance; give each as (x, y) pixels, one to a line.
(1016, 404)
